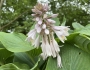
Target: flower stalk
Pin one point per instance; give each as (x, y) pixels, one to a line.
(45, 28)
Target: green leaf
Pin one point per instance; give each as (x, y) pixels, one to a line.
(12, 66)
(33, 26)
(64, 21)
(85, 31)
(1, 45)
(81, 29)
(57, 21)
(87, 26)
(22, 66)
(35, 66)
(35, 52)
(24, 58)
(9, 59)
(82, 42)
(15, 42)
(70, 38)
(4, 54)
(72, 58)
(77, 25)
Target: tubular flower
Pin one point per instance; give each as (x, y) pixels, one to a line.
(44, 31)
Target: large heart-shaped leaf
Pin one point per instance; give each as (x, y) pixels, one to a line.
(81, 41)
(72, 59)
(15, 42)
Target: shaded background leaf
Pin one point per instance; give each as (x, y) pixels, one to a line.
(4, 55)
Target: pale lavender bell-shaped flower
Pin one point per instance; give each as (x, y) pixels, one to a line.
(44, 32)
(51, 21)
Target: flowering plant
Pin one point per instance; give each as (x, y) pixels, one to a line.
(45, 28)
(50, 44)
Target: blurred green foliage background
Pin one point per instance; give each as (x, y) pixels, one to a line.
(15, 15)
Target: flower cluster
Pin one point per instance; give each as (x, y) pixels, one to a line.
(44, 31)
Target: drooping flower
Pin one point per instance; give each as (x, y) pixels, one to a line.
(37, 41)
(45, 29)
(59, 61)
(31, 36)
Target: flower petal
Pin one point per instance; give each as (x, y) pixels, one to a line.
(61, 28)
(45, 16)
(31, 36)
(38, 28)
(46, 31)
(43, 56)
(56, 46)
(37, 42)
(54, 15)
(61, 35)
(51, 21)
(52, 49)
(46, 7)
(37, 18)
(33, 14)
(48, 47)
(44, 26)
(59, 61)
(40, 22)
